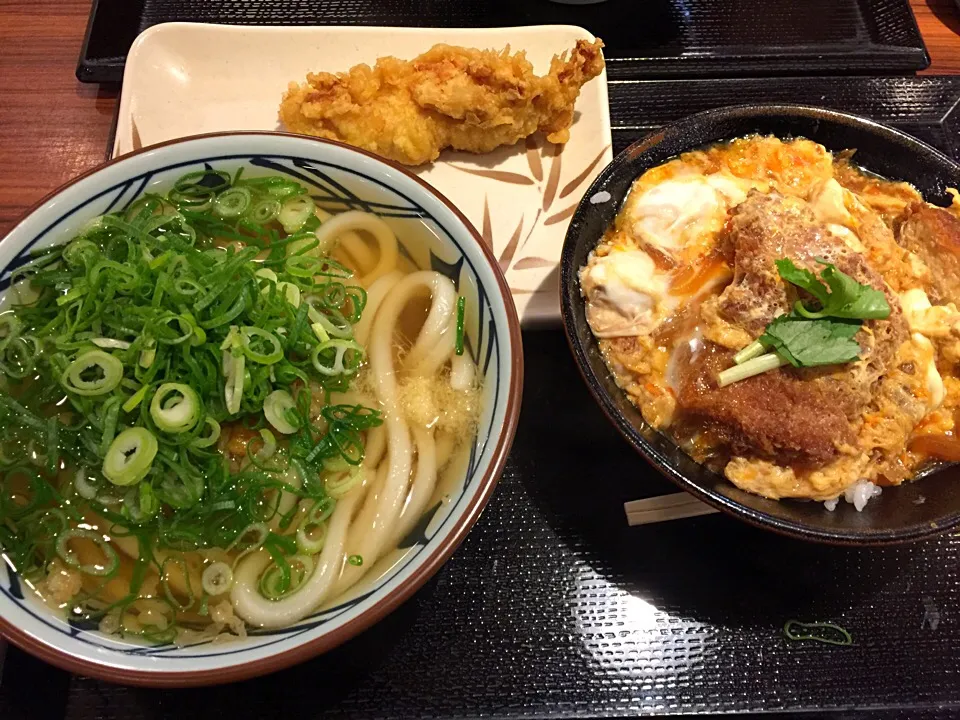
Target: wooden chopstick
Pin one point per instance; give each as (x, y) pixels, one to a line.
(665, 507)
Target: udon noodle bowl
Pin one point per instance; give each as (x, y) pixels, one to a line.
(785, 316)
(225, 408)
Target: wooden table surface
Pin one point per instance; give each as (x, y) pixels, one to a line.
(53, 127)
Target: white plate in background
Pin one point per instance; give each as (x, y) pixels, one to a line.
(186, 78)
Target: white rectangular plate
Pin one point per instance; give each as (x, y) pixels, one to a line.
(184, 78)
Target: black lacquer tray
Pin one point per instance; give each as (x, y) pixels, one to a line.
(554, 608)
(645, 38)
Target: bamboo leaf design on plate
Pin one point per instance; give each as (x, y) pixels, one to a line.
(533, 158)
(533, 227)
(136, 141)
(575, 183)
(510, 250)
(487, 232)
(499, 175)
(550, 192)
(528, 263)
(562, 215)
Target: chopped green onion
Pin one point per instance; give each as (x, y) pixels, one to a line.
(750, 368)
(233, 202)
(263, 212)
(269, 445)
(175, 407)
(217, 578)
(355, 560)
(340, 486)
(320, 332)
(311, 536)
(110, 373)
(341, 329)
(461, 306)
(135, 399)
(233, 371)
(337, 357)
(130, 456)
(295, 213)
(244, 543)
(69, 557)
(210, 438)
(261, 346)
(9, 328)
(110, 343)
(278, 408)
(83, 486)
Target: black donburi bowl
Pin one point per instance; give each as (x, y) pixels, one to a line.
(909, 512)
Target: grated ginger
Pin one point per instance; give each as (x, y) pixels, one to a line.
(432, 403)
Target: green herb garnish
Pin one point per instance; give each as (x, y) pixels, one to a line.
(812, 337)
(808, 343)
(839, 295)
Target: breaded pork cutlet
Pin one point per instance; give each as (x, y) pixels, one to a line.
(799, 415)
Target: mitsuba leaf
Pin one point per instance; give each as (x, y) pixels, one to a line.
(809, 343)
(839, 295)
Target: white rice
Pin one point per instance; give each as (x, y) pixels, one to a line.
(857, 495)
(600, 197)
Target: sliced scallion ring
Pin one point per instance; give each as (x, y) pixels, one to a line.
(106, 366)
(245, 543)
(295, 212)
(130, 456)
(263, 212)
(110, 343)
(175, 407)
(69, 557)
(217, 578)
(233, 370)
(232, 203)
(9, 328)
(83, 486)
(269, 445)
(308, 245)
(279, 407)
(340, 485)
(337, 357)
(311, 536)
(208, 438)
(261, 346)
(334, 326)
(303, 266)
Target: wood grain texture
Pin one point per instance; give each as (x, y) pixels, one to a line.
(53, 127)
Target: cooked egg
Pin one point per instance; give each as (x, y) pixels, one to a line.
(829, 204)
(935, 388)
(937, 321)
(680, 212)
(626, 294)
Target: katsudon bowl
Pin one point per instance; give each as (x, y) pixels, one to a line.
(908, 512)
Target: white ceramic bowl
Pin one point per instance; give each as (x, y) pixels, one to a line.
(343, 177)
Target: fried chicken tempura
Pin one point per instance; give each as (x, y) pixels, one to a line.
(449, 97)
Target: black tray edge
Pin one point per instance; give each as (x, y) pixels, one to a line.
(877, 58)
